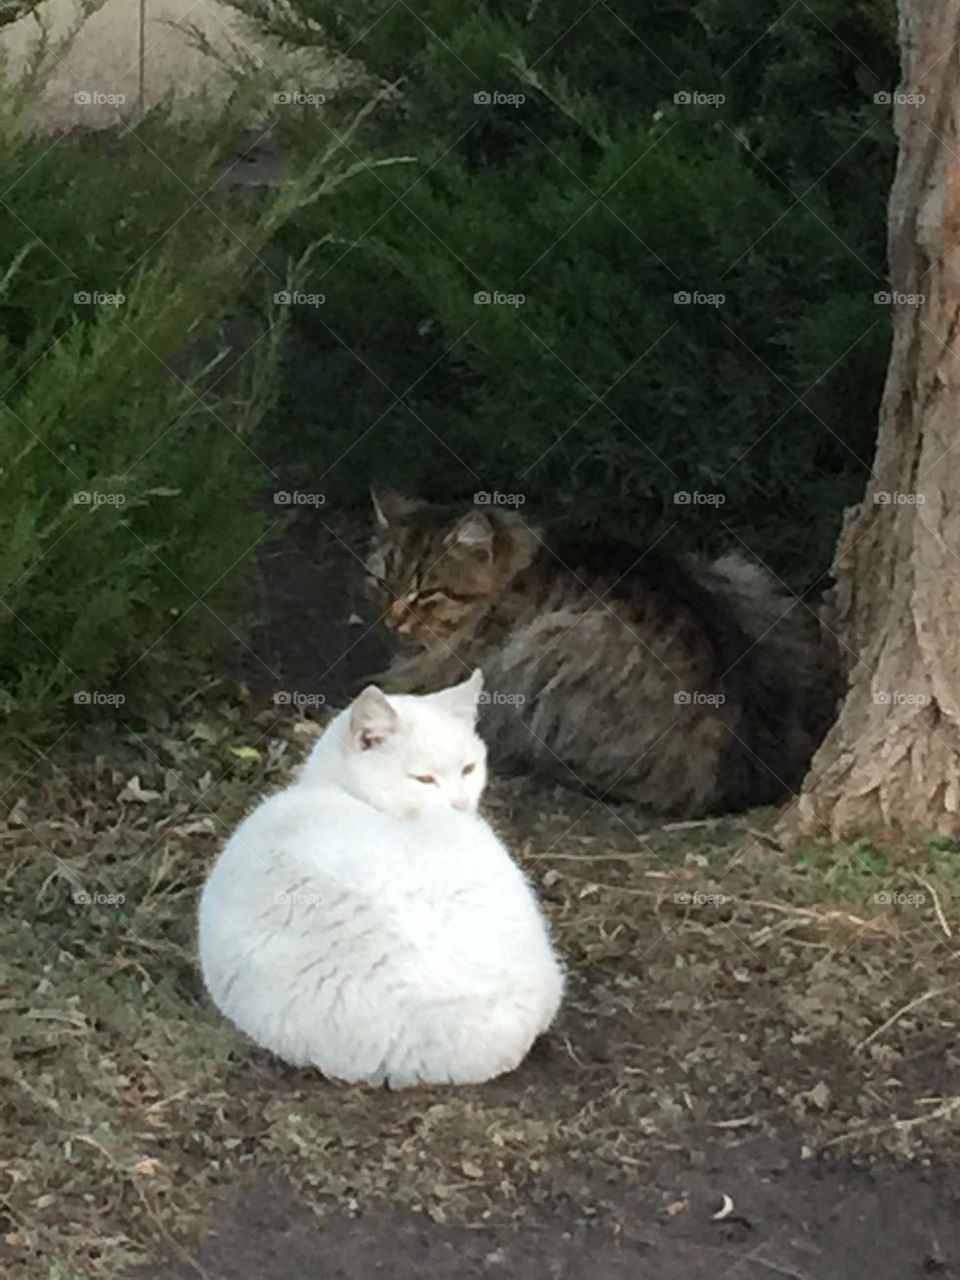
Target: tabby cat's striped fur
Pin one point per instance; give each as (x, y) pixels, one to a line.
(691, 687)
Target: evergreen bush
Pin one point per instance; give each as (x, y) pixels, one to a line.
(618, 182)
(134, 374)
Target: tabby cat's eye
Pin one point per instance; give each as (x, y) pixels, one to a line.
(425, 778)
(468, 768)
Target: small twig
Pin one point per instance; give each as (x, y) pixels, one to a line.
(611, 888)
(751, 1257)
(565, 1040)
(766, 836)
(809, 914)
(165, 1102)
(614, 856)
(941, 1113)
(941, 918)
(915, 1003)
(775, 1267)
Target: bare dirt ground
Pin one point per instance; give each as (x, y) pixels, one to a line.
(844, 1226)
(776, 1027)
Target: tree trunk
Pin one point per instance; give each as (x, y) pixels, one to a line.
(893, 757)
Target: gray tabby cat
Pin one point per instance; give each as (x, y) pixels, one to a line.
(688, 686)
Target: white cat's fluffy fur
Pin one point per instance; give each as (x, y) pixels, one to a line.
(368, 921)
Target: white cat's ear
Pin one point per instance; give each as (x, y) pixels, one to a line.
(473, 686)
(463, 699)
(390, 507)
(473, 531)
(372, 718)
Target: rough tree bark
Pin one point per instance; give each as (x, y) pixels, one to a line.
(893, 757)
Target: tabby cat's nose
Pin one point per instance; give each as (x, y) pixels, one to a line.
(401, 618)
(396, 615)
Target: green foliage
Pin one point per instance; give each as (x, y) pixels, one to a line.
(854, 872)
(598, 199)
(128, 472)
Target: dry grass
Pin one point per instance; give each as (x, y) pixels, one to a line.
(717, 984)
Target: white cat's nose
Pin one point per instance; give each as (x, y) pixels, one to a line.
(463, 804)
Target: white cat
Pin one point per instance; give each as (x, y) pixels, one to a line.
(368, 921)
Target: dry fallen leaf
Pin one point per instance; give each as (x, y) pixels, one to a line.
(197, 827)
(819, 1095)
(135, 792)
(307, 729)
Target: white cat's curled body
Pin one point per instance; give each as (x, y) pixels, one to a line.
(367, 921)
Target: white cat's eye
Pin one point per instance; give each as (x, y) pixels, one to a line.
(468, 768)
(425, 778)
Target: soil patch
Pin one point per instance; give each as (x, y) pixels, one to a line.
(788, 1219)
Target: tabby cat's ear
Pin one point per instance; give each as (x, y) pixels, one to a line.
(372, 718)
(391, 507)
(473, 531)
(462, 699)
